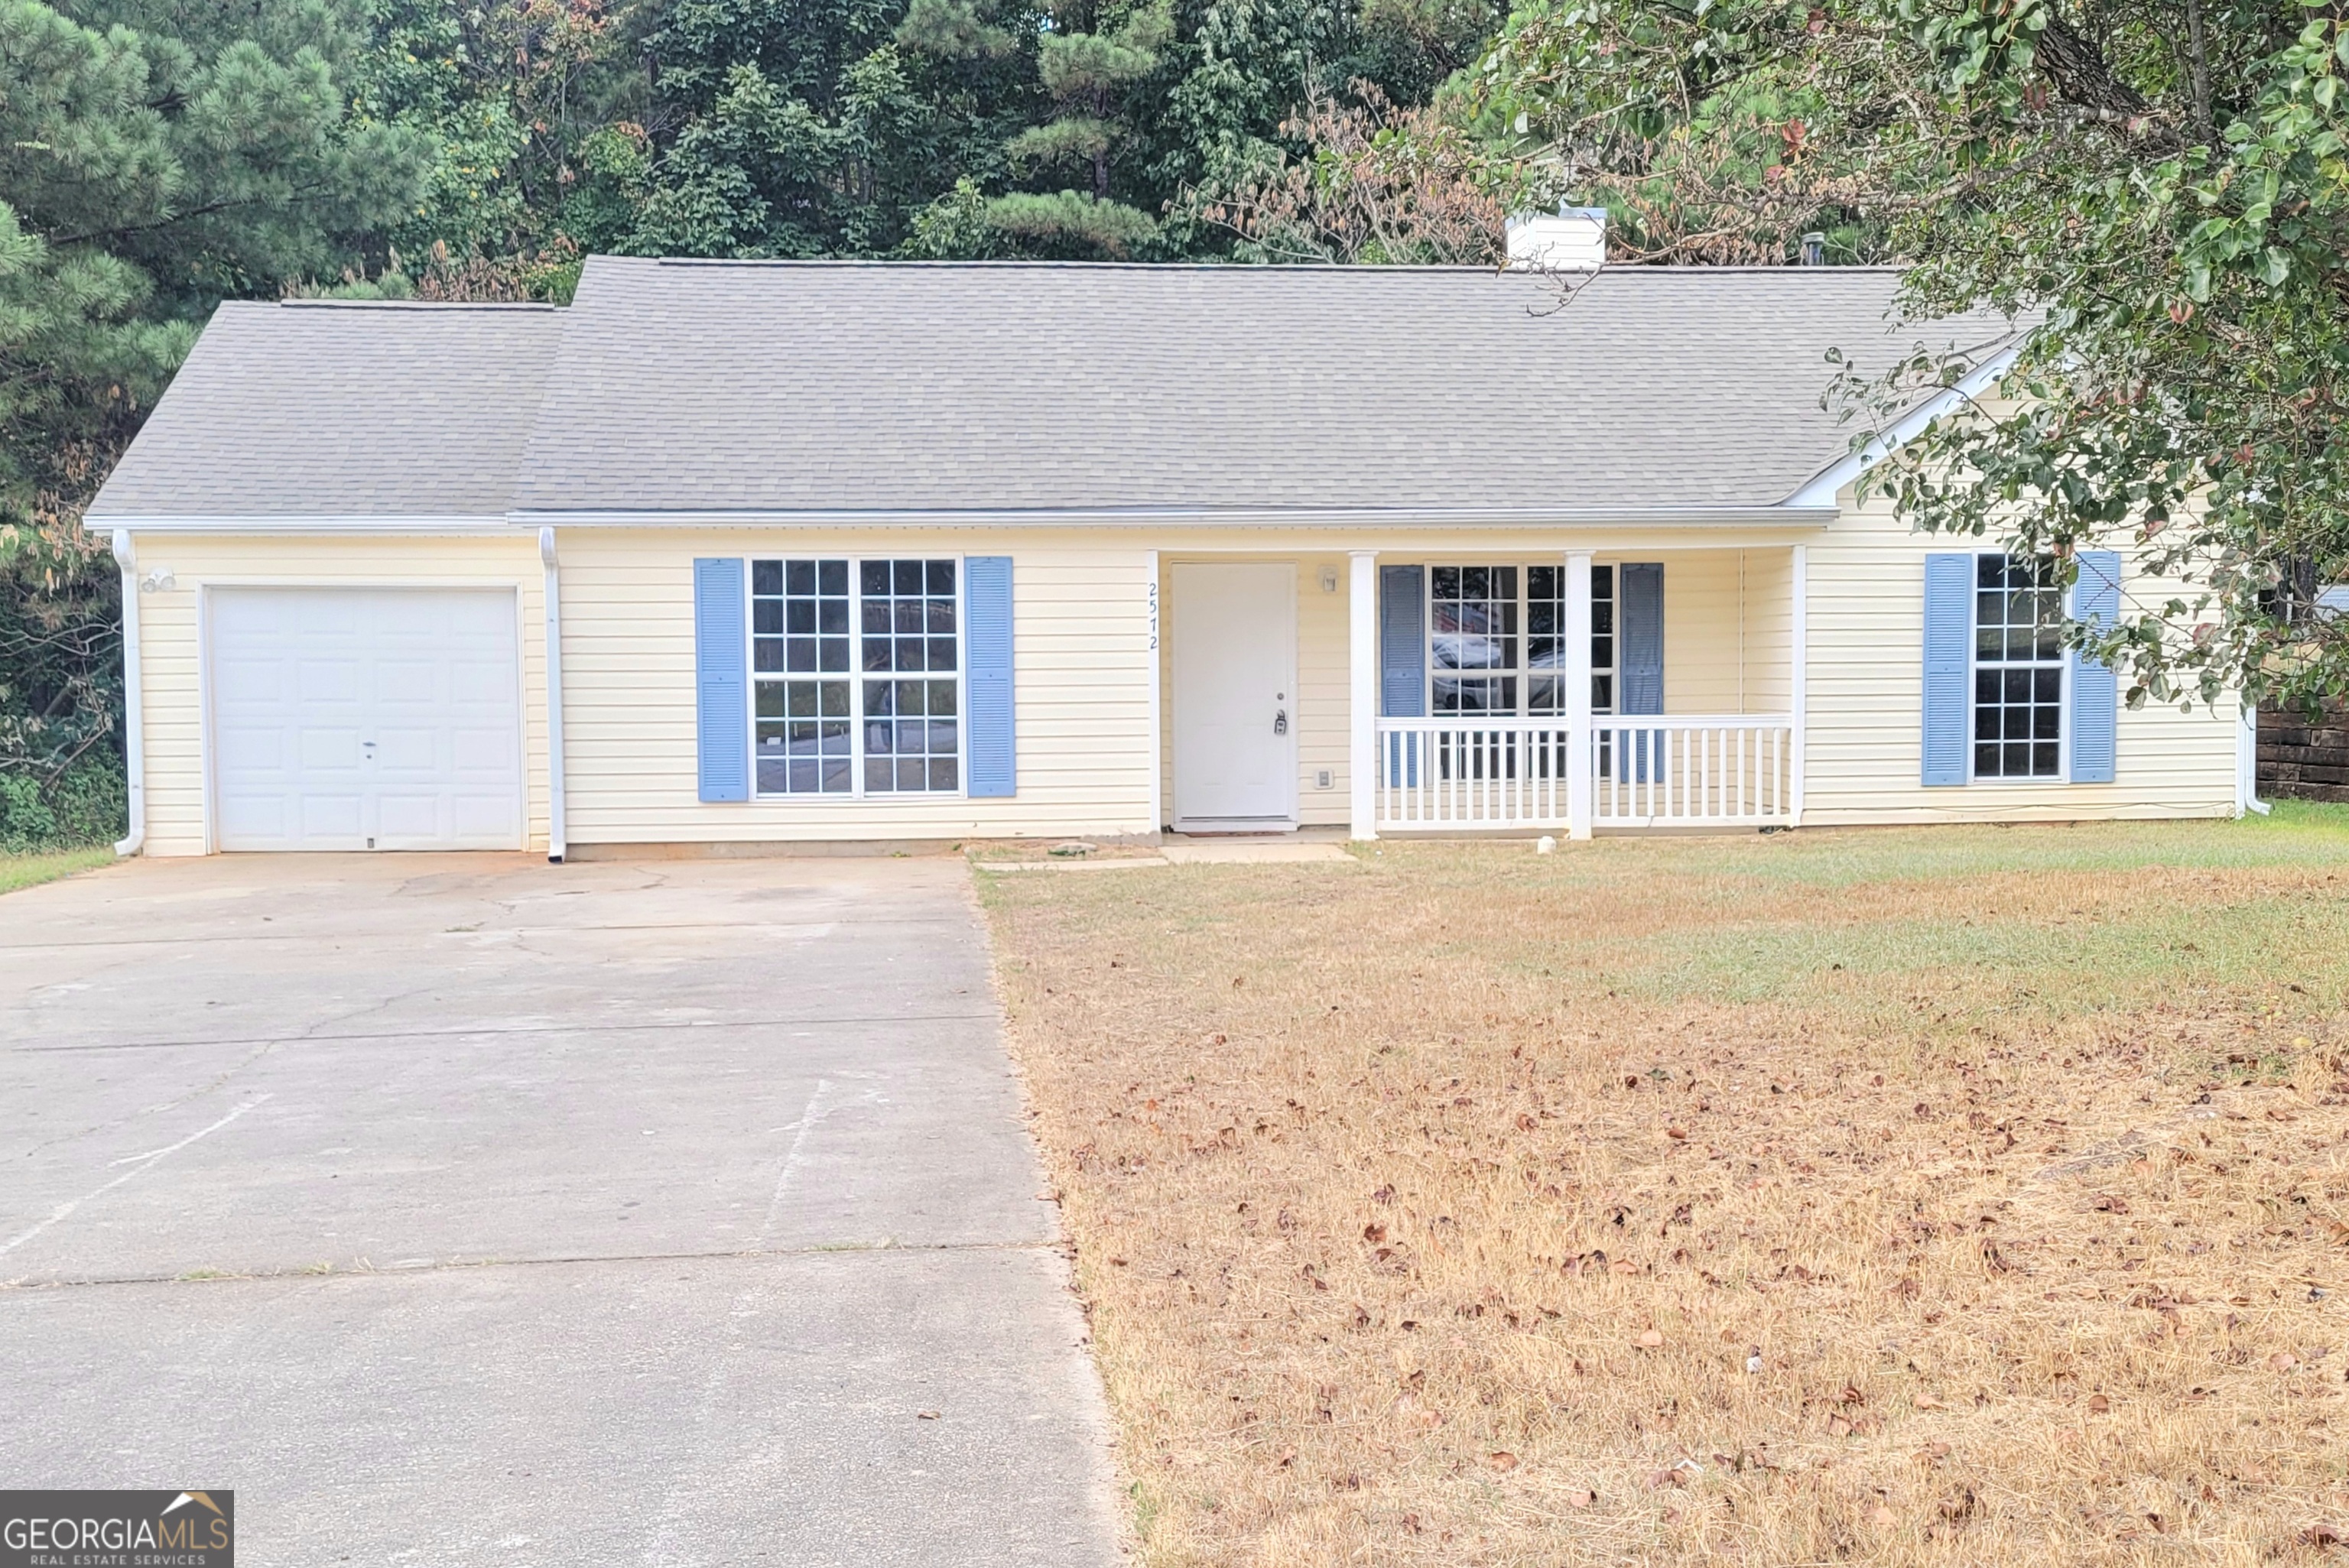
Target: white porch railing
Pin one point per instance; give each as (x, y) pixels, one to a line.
(1666, 770)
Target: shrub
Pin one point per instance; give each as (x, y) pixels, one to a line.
(86, 806)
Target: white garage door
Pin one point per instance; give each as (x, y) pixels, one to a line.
(349, 719)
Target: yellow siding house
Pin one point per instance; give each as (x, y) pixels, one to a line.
(734, 554)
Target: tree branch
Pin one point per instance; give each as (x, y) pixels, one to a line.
(2080, 76)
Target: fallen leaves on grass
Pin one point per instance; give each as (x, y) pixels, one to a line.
(1835, 1326)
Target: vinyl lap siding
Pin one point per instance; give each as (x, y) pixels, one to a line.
(170, 684)
(1081, 669)
(1084, 672)
(1726, 621)
(1769, 612)
(1867, 620)
(1324, 731)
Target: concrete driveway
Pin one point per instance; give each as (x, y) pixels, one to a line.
(468, 1210)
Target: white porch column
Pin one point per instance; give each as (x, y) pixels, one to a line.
(1362, 692)
(1581, 766)
(1799, 683)
(1157, 702)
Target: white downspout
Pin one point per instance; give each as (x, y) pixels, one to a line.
(552, 604)
(2247, 764)
(134, 728)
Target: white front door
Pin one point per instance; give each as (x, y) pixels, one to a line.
(363, 718)
(1235, 697)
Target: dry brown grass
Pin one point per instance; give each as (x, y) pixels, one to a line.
(1428, 1208)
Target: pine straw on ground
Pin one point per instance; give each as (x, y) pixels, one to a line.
(1429, 1209)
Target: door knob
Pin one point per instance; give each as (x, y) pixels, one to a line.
(1280, 722)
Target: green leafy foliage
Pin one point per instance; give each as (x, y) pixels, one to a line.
(2158, 194)
(153, 158)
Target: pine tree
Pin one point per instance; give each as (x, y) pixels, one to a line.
(153, 158)
(1089, 76)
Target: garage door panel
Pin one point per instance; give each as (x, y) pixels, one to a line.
(481, 822)
(246, 748)
(355, 719)
(410, 820)
(249, 678)
(328, 750)
(413, 680)
(245, 816)
(327, 681)
(478, 755)
(333, 821)
(407, 748)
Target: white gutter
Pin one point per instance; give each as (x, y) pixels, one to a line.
(490, 523)
(1771, 514)
(1822, 490)
(134, 729)
(557, 833)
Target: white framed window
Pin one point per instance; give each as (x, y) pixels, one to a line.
(856, 671)
(1496, 640)
(2019, 668)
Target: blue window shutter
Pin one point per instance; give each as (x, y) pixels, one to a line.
(1640, 633)
(1639, 651)
(987, 644)
(1948, 665)
(721, 663)
(2096, 691)
(1402, 642)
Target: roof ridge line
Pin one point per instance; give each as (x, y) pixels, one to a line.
(484, 305)
(1247, 269)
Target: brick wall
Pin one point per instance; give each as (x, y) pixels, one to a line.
(2303, 758)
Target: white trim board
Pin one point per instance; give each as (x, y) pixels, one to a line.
(1823, 489)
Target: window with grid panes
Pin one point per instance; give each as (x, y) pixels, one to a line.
(802, 666)
(2018, 667)
(913, 727)
(1473, 642)
(1473, 638)
(857, 670)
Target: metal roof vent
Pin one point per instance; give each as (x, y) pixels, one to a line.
(1573, 240)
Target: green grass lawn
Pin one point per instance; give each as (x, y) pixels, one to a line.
(48, 865)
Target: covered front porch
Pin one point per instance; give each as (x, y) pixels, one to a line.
(1425, 689)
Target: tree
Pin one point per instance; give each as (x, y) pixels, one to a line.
(153, 158)
(1380, 186)
(979, 127)
(1088, 76)
(511, 94)
(2158, 189)
(808, 128)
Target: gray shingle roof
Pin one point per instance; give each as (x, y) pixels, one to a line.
(844, 385)
(319, 409)
(865, 386)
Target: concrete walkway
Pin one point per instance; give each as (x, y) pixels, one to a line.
(466, 1210)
